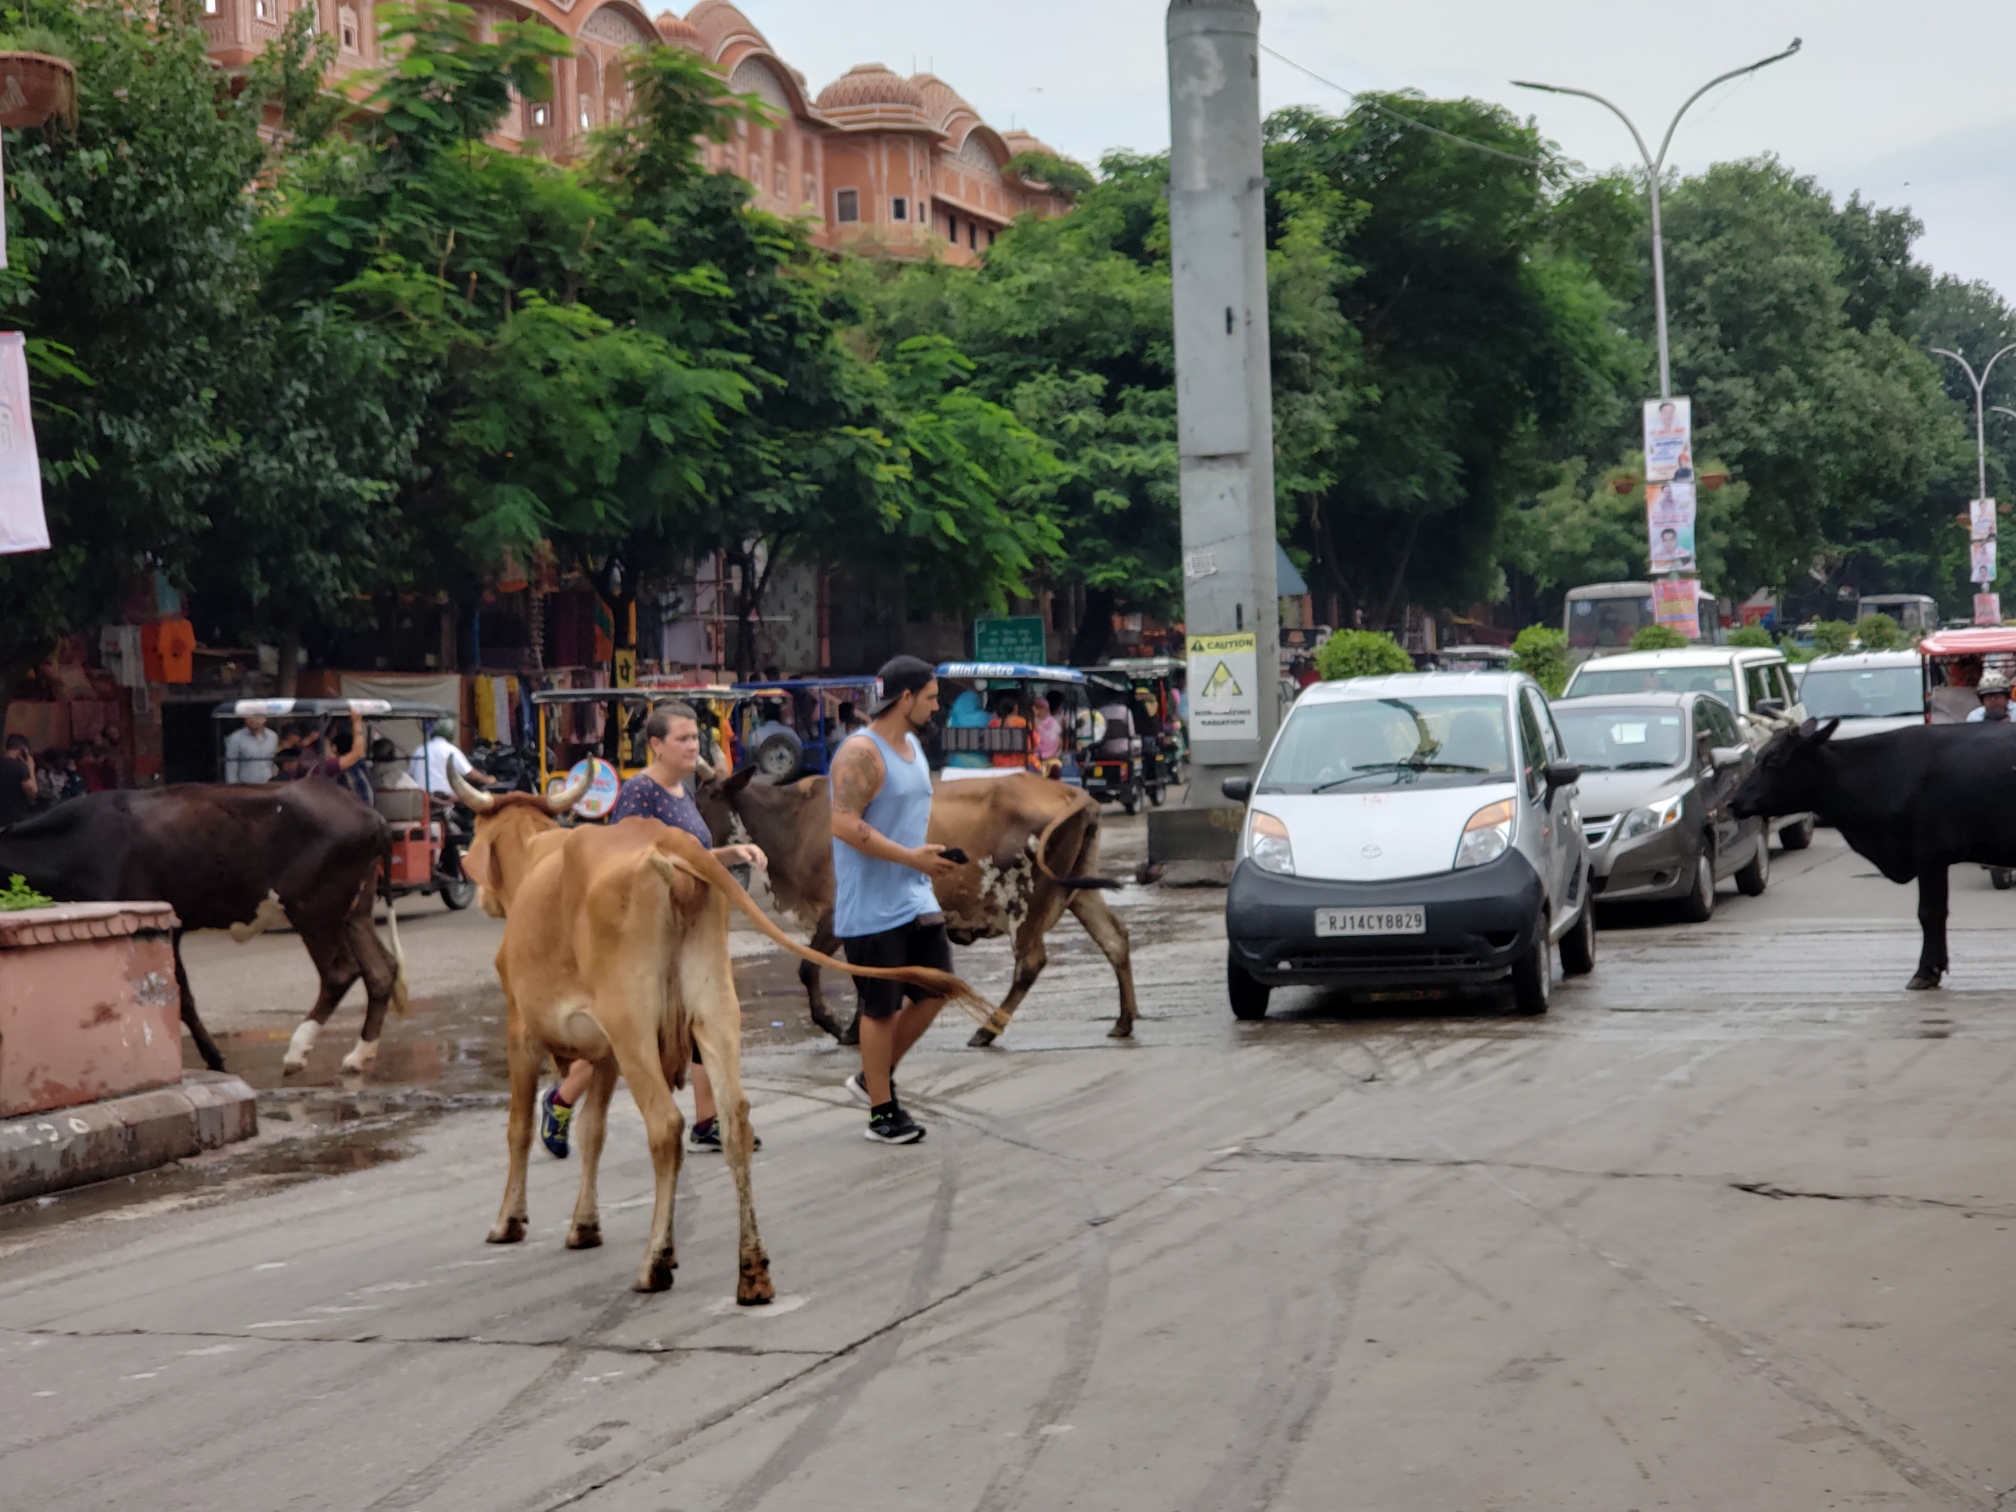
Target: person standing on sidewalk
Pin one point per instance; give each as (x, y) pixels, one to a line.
(883, 907)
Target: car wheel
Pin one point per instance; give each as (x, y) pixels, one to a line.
(1698, 907)
(1797, 836)
(1578, 946)
(1131, 804)
(1533, 973)
(1754, 878)
(778, 757)
(1249, 997)
(457, 892)
(1156, 792)
(2001, 877)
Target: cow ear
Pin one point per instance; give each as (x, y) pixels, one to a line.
(1808, 727)
(1826, 732)
(739, 781)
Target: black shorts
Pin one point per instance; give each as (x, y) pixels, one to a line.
(921, 942)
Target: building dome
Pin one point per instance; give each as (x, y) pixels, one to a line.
(870, 87)
(1019, 142)
(674, 32)
(941, 102)
(720, 26)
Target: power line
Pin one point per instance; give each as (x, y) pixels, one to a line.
(1372, 104)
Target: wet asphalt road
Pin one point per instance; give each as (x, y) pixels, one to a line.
(1731, 1228)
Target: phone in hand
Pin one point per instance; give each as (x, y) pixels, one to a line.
(953, 854)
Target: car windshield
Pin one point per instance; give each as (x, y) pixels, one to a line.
(1623, 740)
(1862, 692)
(1600, 682)
(1374, 742)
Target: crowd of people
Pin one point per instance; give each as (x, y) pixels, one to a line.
(30, 783)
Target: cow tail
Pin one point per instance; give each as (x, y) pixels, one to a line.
(696, 858)
(399, 999)
(1043, 857)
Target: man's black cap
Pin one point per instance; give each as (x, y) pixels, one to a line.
(900, 675)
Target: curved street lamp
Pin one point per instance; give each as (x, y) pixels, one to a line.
(1653, 168)
(1980, 420)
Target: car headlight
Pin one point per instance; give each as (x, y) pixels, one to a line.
(1643, 821)
(1487, 836)
(1267, 844)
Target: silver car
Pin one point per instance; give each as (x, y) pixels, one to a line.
(1869, 692)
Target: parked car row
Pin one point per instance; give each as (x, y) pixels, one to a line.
(1440, 829)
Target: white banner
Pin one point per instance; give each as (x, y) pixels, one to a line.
(1981, 557)
(23, 527)
(1981, 519)
(1669, 525)
(1669, 440)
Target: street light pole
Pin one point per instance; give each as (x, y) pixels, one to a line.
(1653, 168)
(1980, 420)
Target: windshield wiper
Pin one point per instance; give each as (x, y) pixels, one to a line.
(1640, 766)
(1395, 766)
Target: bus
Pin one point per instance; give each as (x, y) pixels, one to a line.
(1913, 611)
(1601, 618)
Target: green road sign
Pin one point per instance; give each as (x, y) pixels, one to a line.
(1016, 639)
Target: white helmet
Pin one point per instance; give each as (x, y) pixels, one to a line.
(1992, 682)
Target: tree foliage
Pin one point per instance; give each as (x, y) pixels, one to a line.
(1361, 653)
(1541, 652)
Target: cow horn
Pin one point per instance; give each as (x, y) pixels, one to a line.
(703, 771)
(560, 802)
(479, 801)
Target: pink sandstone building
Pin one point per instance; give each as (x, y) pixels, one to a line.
(880, 164)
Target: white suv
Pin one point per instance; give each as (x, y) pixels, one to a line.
(1753, 680)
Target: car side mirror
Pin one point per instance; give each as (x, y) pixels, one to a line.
(1560, 774)
(1728, 756)
(1775, 707)
(1238, 789)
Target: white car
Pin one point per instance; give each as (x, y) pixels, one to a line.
(1413, 830)
(1869, 692)
(1754, 681)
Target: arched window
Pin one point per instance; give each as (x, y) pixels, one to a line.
(615, 90)
(346, 28)
(584, 88)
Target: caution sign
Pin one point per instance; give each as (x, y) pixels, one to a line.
(1224, 687)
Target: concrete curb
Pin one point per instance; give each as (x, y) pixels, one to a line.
(46, 1152)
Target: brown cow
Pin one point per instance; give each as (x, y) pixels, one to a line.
(1034, 849)
(615, 951)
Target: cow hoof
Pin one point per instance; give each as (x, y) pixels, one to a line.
(1122, 1030)
(585, 1236)
(293, 1067)
(506, 1231)
(982, 1038)
(1922, 983)
(360, 1058)
(755, 1290)
(654, 1277)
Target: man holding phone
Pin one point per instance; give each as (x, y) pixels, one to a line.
(884, 909)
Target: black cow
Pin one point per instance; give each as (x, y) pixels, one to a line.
(1914, 801)
(239, 858)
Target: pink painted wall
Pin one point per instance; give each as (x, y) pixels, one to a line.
(88, 1004)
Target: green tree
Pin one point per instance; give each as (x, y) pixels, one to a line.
(1658, 638)
(1361, 653)
(1541, 652)
(1878, 632)
(1752, 636)
(1832, 637)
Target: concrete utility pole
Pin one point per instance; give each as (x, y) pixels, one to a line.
(1224, 397)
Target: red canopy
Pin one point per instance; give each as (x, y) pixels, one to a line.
(1978, 641)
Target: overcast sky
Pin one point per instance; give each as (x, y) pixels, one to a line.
(1907, 102)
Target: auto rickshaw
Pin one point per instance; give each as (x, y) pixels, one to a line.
(1953, 661)
(1157, 683)
(988, 714)
(600, 732)
(420, 861)
(791, 728)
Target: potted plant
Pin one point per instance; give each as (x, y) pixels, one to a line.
(36, 81)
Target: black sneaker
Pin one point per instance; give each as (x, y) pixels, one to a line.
(703, 1137)
(889, 1124)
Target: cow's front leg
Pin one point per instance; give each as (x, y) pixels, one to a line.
(825, 942)
(719, 1039)
(1932, 891)
(1031, 956)
(591, 1123)
(379, 977)
(205, 1046)
(1110, 935)
(524, 1058)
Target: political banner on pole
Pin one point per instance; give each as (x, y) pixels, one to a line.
(1669, 525)
(1981, 558)
(23, 526)
(1980, 519)
(1987, 608)
(1669, 440)
(1676, 604)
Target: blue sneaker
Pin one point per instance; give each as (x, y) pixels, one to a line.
(554, 1119)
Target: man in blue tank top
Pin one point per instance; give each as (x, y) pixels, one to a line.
(883, 907)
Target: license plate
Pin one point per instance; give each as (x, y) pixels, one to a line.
(1407, 918)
